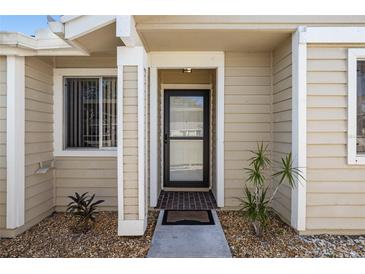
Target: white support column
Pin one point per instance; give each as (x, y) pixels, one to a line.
(153, 137)
(120, 150)
(132, 57)
(299, 127)
(15, 142)
(220, 135)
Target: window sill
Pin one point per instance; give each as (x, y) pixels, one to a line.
(357, 160)
(86, 153)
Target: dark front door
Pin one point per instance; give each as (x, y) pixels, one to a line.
(186, 138)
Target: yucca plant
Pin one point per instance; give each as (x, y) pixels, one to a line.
(256, 203)
(84, 209)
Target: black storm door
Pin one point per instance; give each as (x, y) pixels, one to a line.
(186, 138)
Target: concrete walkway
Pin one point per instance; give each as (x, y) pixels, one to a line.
(189, 241)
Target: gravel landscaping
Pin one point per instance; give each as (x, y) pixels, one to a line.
(280, 240)
(53, 238)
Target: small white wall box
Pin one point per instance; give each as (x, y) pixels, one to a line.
(44, 167)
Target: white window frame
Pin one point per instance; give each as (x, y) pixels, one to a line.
(354, 55)
(59, 75)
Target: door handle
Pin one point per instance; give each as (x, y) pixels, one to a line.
(165, 139)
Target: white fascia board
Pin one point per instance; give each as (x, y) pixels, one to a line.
(67, 18)
(16, 38)
(299, 128)
(22, 45)
(59, 30)
(43, 52)
(15, 147)
(334, 35)
(85, 24)
(126, 31)
(24, 41)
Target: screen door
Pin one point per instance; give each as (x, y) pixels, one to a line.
(186, 138)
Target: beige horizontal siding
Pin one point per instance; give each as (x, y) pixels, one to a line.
(86, 62)
(96, 175)
(282, 125)
(2, 142)
(247, 115)
(39, 199)
(335, 190)
(130, 142)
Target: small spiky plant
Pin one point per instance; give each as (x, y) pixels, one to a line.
(256, 203)
(84, 209)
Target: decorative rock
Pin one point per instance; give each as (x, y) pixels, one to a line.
(280, 240)
(52, 238)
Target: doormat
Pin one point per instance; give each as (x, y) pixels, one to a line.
(187, 217)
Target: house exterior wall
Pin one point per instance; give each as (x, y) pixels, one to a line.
(282, 116)
(39, 188)
(86, 174)
(335, 190)
(85, 62)
(3, 104)
(247, 116)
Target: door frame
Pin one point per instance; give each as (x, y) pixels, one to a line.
(206, 93)
(179, 60)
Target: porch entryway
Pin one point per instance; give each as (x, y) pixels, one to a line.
(186, 122)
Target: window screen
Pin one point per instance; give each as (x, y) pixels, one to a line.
(360, 107)
(90, 112)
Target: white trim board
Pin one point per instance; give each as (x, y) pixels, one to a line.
(299, 129)
(58, 75)
(15, 147)
(332, 35)
(85, 24)
(178, 60)
(353, 56)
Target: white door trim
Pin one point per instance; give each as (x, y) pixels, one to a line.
(178, 60)
(15, 148)
(162, 119)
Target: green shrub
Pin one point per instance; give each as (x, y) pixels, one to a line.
(84, 209)
(256, 203)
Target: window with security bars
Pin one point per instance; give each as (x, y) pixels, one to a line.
(360, 147)
(90, 112)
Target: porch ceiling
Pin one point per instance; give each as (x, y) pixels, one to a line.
(101, 41)
(211, 40)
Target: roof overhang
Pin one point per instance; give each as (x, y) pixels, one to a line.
(44, 43)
